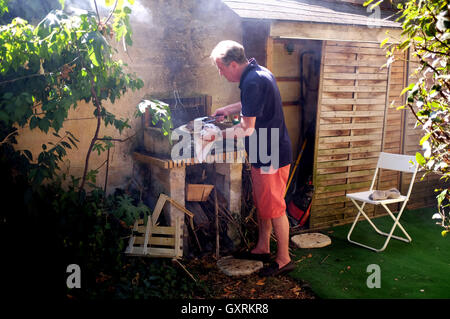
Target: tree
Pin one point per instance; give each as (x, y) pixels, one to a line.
(426, 32)
(46, 70)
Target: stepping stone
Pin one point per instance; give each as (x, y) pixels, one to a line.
(238, 267)
(311, 240)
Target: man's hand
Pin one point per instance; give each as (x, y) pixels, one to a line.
(220, 113)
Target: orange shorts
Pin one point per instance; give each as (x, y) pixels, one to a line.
(268, 191)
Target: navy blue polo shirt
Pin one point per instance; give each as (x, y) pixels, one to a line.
(260, 98)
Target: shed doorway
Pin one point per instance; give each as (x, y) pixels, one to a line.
(296, 66)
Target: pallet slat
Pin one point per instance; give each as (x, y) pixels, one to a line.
(159, 241)
(146, 237)
(339, 114)
(354, 101)
(344, 88)
(353, 138)
(352, 62)
(346, 163)
(354, 76)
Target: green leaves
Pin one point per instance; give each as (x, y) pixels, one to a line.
(160, 115)
(45, 70)
(420, 159)
(96, 46)
(383, 43)
(121, 25)
(127, 211)
(44, 125)
(441, 197)
(3, 6)
(104, 144)
(425, 138)
(426, 31)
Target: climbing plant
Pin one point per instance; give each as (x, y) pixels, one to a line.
(47, 69)
(426, 32)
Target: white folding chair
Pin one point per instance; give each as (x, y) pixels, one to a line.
(389, 161)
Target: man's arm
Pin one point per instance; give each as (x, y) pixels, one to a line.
(245, 128)
(220, 113)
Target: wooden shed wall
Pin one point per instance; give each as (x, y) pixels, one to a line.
(393, 126)
(352, 105)
(286, 68)
(351, 134)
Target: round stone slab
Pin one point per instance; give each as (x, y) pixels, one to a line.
(238, 267)
(311, 240)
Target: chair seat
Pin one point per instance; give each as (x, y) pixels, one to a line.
(364, 197)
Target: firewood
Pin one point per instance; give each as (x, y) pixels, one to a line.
(201, 220)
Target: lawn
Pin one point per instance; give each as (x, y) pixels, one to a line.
(420, 269)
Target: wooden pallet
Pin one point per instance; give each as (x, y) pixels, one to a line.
(152, 240)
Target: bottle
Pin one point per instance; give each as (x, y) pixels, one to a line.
(236, 119)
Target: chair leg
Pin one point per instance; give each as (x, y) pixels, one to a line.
(389, 236)
(361, 212)
(396, 223)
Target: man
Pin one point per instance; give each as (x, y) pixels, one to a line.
(262, 124)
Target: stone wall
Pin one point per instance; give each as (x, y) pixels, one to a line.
(172, 41)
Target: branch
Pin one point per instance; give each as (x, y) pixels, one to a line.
(431, 67)
(5, 140)
(97, 104)
(111, 13)
(97, 130)
(25, 77)
(107, 171)
(415, 115)
(38, 74)
(435, 20)
(96, 10)
(117, 139)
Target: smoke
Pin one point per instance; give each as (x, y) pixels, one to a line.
(139, 12)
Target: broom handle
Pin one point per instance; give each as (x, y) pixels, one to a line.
(216, 211)
(295, 167)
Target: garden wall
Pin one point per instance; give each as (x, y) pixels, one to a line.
(172, 41)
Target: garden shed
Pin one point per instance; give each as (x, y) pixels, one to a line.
(327, 60)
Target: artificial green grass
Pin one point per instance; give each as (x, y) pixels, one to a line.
(420, 269)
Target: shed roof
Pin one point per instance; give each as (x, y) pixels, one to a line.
(312, 11)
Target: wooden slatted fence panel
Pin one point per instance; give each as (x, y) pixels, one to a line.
(352, 102)
(393, 128)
